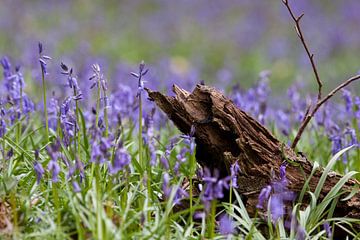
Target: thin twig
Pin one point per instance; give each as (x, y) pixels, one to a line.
(309, 54)
(318, 105)
(320, 101)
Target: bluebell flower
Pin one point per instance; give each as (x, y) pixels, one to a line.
(76, 186)
(346, 95)
(54, 168)
(5, 63)
(226, 225)
(234, 171)
(278, 193)
(2, 127)
(167, 189)
(300, 233)
(142, 72)
(214, 187)
(43, 59)
(327, 230)
(264, 196)
(39, 170)
(276, 207)
(121, 159)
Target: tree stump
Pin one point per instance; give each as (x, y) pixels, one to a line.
(225, 134)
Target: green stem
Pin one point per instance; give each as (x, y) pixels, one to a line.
(56, 203)
(192, 172)
(4, 156)
(14, 211)
(99, 203)
(211, 223)
(45, 106)
(140, 134)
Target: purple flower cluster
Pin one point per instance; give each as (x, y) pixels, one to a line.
(214, 186)
(14, 87)
(277, 194)
(167, 189)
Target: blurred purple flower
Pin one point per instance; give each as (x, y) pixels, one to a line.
(121, 159)
(2, 127)
(54, 168)
(214, 187)
(168, 189)
(226, 225)
(328, 230)
(300, 233)
(100, 151)
(39, 170)
(264, 196)
(276, 207)
(234, 170)
(76, 186)
(346, 95)
(5, 63)
(279, 195)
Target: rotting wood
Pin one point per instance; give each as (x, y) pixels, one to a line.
(225, 134)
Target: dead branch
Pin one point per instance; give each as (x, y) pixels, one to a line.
(320, 101)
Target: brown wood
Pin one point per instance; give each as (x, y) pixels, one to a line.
(225, 134)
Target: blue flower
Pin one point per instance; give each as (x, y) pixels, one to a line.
(214, 187)
(42, 59)
(226, 225)
(121, 159)
(39, 170)
(142, 72)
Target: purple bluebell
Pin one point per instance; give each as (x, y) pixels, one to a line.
(101, 150)
(76, 186)
(121, 159)
(2, 127)
(276, 207)
(53, 112)
(234, 171)
(5, 63)
(42, 59)
(264, 196)
(336, 144)
(346, 95)
(189, 139)
(72, 81)
(54, 168)
(278, 193)
(226, 225)
(164, 162)
(328, 230)
(357, 112)
(214, 187)
(142, 72)
(352, 136)
(39, 170)
(167, 189)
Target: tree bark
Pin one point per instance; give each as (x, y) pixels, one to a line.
(225, 134)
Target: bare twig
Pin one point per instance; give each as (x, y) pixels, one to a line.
(301, 36)
(320, 101)
(318, 105)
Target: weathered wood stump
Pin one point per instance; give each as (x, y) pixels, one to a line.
(226, 134)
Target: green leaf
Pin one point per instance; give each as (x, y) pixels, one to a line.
(327, 170)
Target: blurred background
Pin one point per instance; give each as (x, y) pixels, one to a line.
(186, 41)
